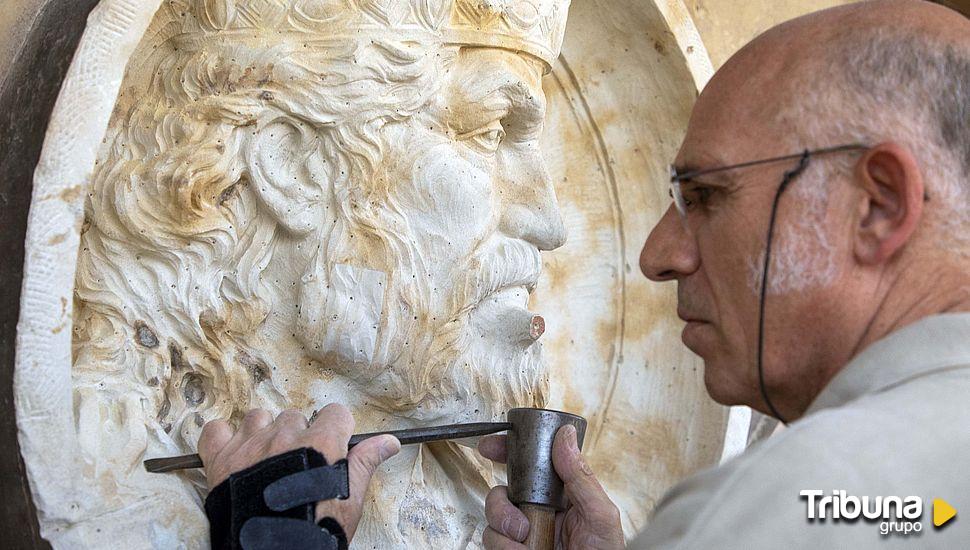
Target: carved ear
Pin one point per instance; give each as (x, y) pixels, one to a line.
(286, 172)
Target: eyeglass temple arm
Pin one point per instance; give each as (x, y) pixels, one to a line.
(674, 176)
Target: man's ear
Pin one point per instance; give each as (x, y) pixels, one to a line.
(892, 205)
(283, 159)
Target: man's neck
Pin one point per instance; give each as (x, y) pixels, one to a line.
(918, 290)
(914, 295)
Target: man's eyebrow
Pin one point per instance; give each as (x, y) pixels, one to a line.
(684, 168)
(720, 169)
(719, 177)
(698, 160)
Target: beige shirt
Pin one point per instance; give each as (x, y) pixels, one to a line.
(894, 422)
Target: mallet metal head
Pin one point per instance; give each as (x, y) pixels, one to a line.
(532, 478)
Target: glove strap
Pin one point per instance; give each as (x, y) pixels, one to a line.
(272, 504)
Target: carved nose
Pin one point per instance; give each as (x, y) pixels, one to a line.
(540, 224)
(532, 211)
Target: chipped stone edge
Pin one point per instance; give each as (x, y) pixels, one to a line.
(42, 370)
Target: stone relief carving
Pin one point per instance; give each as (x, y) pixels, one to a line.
(302, 202)
(313, 201)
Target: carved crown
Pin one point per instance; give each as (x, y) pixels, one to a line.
(532, 26)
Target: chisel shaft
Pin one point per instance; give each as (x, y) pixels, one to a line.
(406, 437)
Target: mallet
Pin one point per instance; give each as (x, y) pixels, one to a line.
(534, 485)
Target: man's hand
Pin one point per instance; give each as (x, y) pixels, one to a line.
(591, 523)
(260, 437)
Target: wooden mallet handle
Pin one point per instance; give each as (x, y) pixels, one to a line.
(542, 526)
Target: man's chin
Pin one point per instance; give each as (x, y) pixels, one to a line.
(722, 389)
(718, 394)
(699, 337)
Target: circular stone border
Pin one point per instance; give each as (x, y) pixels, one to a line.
(27, 96)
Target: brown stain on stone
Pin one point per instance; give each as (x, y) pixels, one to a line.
(64, 316)
(145, 336)
(664, 442)
(585, 186)
(647, 307)
(557, 273)
(606, 336)
(651, 437)
(572, 398)
(57, 239)
(70, 194)
(108, 485)
(583, 181)
(296, 384)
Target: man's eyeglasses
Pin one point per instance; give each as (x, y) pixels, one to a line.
(676, 177)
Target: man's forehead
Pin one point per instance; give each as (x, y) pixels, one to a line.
(720, 133)
(736, 117)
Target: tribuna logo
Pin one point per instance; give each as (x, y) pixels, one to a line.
(900, 515)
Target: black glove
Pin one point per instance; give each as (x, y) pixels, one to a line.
(271, 505)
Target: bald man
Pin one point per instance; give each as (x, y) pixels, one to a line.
(847, 132)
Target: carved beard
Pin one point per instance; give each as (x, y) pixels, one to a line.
(484, 368)
(373, 327)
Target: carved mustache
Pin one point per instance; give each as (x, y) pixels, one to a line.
(503, 263)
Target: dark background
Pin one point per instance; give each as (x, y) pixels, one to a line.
(962, 6)
(26, 99)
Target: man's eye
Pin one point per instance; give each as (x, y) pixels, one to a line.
(487, 138)
(697, 195)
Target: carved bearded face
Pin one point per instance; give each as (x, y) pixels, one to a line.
(427, 311)
(347, 224)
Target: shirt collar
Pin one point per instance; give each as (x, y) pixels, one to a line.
(928, 345)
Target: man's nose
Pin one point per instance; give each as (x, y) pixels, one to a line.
(670, 251)
(531, 211)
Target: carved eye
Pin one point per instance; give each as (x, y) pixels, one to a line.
(487, 138)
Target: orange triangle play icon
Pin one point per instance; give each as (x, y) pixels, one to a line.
(942, 512)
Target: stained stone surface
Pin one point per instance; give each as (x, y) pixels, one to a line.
(283, 204)
(727, 25)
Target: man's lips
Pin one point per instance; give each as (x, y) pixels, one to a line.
(695, 333)
(690, 317)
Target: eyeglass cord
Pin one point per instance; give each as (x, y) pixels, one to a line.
(789, 177)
